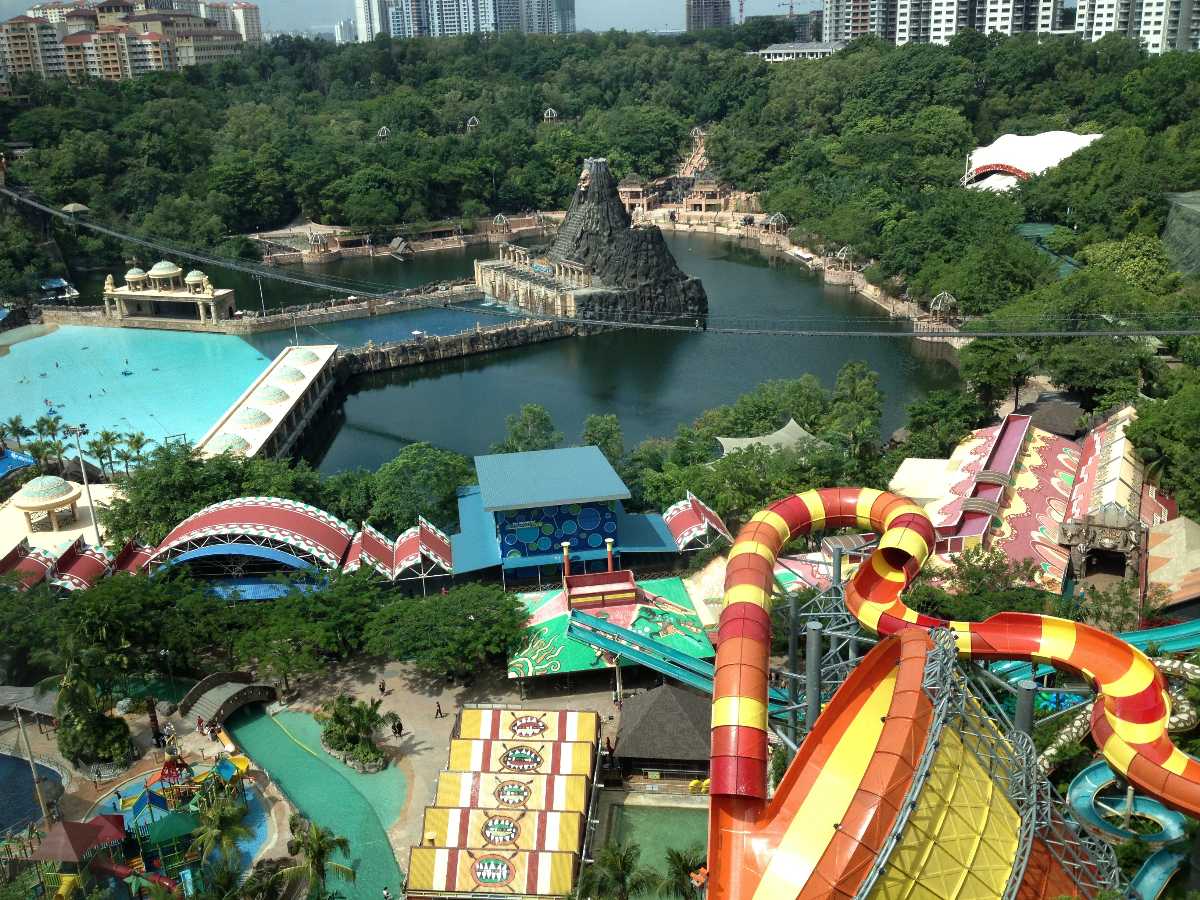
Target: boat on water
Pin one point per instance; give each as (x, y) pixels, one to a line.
(57, 290)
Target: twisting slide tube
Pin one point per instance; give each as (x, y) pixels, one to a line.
(1129, 717)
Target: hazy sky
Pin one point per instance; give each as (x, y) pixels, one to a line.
(598, 15)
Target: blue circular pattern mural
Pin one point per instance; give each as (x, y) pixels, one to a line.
(539, 530)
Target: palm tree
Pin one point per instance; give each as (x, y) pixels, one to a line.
(223, 881)
(615, 875)
(48, 427)
(59, 449)
(136, 442)
(315, 846)
(220, 830)
(110, 440)
(39, 451)
(677, 881)
(348, 721)
(96, 449)
(125, 456)
(4, 434)
(17, 429)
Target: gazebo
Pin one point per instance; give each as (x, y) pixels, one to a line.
(48, 495)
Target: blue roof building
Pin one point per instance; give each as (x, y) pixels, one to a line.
(527, 504)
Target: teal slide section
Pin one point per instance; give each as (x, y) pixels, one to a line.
(1096, 792)
(645, 651)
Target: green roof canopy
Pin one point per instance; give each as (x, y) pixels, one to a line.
(171, 827)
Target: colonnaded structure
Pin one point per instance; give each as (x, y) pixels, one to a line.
(599, 267)
(165, 292)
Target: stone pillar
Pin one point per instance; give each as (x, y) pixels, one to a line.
(200, 312)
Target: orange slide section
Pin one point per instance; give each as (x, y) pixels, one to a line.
(787, 848)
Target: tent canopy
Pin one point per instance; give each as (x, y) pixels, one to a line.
(172, 827)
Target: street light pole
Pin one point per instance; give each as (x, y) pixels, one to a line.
(37, 781)
(76, 431)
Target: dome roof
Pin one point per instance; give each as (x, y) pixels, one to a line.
(134, 274)
(289, 373)
(270, 395)
(251, 417)
(230, 442)
(195, 276)
(304, 357)
(45, 487)
(165, 269)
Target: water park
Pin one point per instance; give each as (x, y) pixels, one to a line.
(759, 710)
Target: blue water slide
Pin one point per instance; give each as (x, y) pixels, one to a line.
(1095, 793)
(1151, 879)
(655, 655)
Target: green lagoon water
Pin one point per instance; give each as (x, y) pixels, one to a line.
(358, 807)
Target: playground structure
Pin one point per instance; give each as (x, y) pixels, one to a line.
(911, 760)
(143, 838)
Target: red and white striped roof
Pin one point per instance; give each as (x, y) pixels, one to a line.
(691, 520)
(305, 528)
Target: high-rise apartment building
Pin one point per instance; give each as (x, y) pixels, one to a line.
(446, 18)
(554, 16)
(247, 21)
(370, 19)
(701, 14)
(219, 13)
(1160, 25)
(55, 12)
(113, 54)
(33, 46)
(116, 39)
(344, 33)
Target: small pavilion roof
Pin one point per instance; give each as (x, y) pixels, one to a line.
(666, 723)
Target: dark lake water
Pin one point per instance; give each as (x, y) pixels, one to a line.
(653, 381)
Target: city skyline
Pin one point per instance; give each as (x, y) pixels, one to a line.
(594, 15)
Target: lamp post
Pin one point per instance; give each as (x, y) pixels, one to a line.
(76, 431)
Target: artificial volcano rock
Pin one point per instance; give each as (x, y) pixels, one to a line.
(634, 276)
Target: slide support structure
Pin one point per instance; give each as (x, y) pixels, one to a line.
(812, 674)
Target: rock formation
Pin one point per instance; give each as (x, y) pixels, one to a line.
(634, 275)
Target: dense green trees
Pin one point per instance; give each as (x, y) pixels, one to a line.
(454, 636)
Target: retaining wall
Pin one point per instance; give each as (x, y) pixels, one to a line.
(379, 358)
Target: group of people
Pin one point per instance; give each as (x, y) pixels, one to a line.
(208, 728)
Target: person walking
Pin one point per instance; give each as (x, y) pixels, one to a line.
(399, 729)
(382, 688)
(437, 713)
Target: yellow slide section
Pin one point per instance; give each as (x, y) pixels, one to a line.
(817, 820)
(962, 837)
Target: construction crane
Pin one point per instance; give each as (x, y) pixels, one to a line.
(791, 7)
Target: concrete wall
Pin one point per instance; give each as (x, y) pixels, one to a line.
(379, 358)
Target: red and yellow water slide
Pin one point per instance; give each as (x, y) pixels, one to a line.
(834, 811)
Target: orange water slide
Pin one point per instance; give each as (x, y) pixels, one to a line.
(746, 834)
(842, 794)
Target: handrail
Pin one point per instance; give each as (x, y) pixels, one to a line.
(208, 682)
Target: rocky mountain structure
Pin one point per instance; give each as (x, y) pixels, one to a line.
(599, 267)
